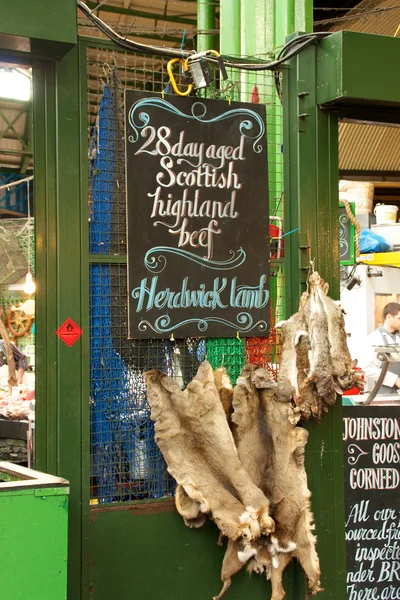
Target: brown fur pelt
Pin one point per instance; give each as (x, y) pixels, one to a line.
(225, 390)
(193, 435)
(316, 362)
(271, 449)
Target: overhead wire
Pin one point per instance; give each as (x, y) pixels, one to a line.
(129, 44)
(289, 50)
(362, 14)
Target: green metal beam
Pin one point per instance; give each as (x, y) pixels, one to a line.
(10, 170)
(15, 152)
(205, 23)
(28, 135)
(311, 212)
(108, 259)
(10, 126)
(344, 61)
(142, 15)
(84, 314)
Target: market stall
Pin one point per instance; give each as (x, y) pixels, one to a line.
(17, 306)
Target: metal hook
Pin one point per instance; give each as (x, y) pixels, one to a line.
(107, 71)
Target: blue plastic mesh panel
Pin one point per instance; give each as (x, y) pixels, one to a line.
(126, 464)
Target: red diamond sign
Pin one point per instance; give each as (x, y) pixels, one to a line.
(69, 332)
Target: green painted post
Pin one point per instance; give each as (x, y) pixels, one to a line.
(253, 27)
(44, 119)
(71, 290)
(311, 136)
(289, 15)
(62, 292)
(229, 38)
(205, 24)
(230, 27)
(304, 20)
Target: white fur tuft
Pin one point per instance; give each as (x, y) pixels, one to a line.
(289, 548)
(251, 510)
(299, 335)
(226, 382)
(275, 562)
(245, 518)
(279, 324)
(246, 553)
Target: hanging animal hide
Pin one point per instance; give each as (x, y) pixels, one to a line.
(252, 481)
(316, 362)
(271, 449)
(193, 435)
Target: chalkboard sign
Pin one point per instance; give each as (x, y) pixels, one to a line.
(372, 500)
(198, 224)
(346, 236)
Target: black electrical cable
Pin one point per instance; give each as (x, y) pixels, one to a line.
(344, 282)
(296, 45)
(289, 50)
(128, 44)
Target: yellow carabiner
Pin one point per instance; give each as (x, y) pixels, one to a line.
(172, 78)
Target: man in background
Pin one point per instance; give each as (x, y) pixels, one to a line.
(386, 334)
(21, 363)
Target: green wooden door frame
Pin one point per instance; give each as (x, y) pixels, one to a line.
(311, 197)
(62, 373)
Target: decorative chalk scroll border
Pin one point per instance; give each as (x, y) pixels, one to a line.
(244, 323)
(343, 235)
(157, 264)
(346, 236)
(356, 453)
(139, 119)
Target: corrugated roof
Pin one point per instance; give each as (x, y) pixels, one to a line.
(371, 16)
(365, 147)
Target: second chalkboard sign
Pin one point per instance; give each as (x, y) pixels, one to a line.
(198, 219)
(346, 236)
(372, 484)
